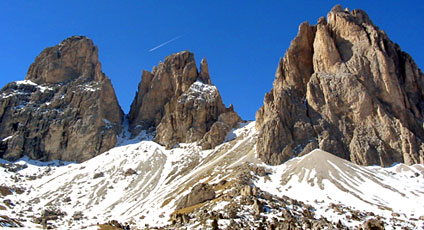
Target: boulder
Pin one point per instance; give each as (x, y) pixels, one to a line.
(373, 224)
(198, 194)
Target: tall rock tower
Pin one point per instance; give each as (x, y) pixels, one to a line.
(181, 104)
(345, 87)
(66, 109)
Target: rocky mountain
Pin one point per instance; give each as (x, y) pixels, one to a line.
(181, 104)
(345, 97)
(343, 86)
(65, 109)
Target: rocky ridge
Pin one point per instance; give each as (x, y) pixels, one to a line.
(181, 104)
(343, 86)
(66, 108)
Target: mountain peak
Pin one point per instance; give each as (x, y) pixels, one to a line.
(73, 58)
(357, 16)
(65, 110)
(181, 104)
(72, 39)
(343, 86)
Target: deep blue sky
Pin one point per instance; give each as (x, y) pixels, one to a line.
(242, 40)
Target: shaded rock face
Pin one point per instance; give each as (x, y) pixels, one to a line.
(181, 104)
(345, 87)
(66, 109)
(198, 194)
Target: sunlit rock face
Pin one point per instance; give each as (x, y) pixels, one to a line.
(343, 86)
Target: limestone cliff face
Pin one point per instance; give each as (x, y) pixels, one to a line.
(66, 109)
(345, 87)
(181, 104)
(75, 57)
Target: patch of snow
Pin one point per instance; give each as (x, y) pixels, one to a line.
(125, 138)
(28, 82)
(25, 82)
(13, 93)
(220, 205)
(241, 128)
(7, 138)
(44, 88)
(198, 92)
(91, 87)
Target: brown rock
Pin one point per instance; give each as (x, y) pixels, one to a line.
(167, 81)
(204, 72)
(345, 87)
(217, 133)
(66, 110)
(75, 57)
(373, 224)
(198, 194)
(130, 172)
(257, 207)
(246, 191)
(181, 104)
(5, 191)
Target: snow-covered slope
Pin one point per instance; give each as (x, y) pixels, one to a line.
(323, 180)
(104, 188)
(140, 182)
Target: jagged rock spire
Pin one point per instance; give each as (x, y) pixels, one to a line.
(181, 104)
(204, 72)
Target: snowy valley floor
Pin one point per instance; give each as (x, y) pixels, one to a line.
(140, 183)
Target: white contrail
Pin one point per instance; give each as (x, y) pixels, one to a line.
(165, 43)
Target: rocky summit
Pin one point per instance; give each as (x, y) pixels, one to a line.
(65, 109)
(181, 104)
(343, 86)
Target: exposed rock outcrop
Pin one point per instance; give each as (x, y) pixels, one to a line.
(66, 109)
(181, 104)
(345, 87)
(199, 194)
(374, 224)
